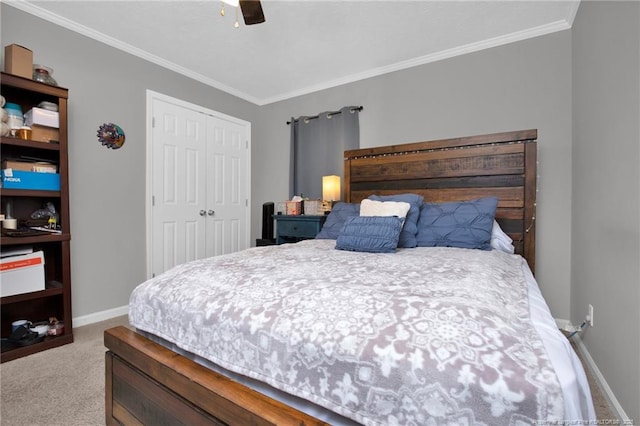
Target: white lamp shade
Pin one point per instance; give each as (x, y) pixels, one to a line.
(232, 3)
(331, 188)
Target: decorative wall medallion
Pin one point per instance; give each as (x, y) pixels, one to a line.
(111, 136)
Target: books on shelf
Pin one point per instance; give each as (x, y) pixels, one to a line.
(44, 228)
(30, 166)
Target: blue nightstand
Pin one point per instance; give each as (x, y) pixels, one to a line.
(291, 229)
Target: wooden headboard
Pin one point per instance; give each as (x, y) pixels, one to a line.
(500, 164)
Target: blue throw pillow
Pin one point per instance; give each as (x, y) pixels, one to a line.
(410, 227)
(465, 224)
(339, 213)
(372, 234)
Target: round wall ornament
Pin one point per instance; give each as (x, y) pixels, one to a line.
(111, 136)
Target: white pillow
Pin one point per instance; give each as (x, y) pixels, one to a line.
(384, 208)
(500, 240)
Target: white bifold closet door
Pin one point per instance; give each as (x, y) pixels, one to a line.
(200, 182)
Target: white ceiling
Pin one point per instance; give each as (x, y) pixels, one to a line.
(304, 45)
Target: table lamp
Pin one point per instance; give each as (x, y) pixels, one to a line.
(331, 189)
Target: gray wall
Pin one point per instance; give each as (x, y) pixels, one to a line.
(107, 187)
(606, 187)
(518, 86)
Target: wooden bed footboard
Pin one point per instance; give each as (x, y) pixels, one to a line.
(147, 384)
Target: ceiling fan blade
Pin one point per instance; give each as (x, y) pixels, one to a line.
(252, 12)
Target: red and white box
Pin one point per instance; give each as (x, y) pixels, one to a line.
(22, 274)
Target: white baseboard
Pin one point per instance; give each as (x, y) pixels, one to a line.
(562, 324)
(608, 393)
(100, 316)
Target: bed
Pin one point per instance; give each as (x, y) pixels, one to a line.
(308, 334)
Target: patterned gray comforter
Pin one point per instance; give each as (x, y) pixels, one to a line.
(424, 336)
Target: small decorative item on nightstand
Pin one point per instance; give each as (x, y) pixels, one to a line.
(313, 207)
(291, 229)
(293, 208)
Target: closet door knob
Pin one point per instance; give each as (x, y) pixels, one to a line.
(211, 212)
(202, 212)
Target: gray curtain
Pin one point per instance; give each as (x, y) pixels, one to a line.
(317, 148)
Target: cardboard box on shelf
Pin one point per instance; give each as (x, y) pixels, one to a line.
(22, 274)
(18, 60)
(42, 117)
(44, 134)
(30, 166)
(18, 179)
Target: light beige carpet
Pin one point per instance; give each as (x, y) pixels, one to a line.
(62, 386)
(65, 386)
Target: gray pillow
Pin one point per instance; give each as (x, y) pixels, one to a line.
(410, 227)
(372, 234)
(339, 213)
(465, 224)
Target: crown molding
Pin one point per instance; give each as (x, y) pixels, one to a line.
(573, 10)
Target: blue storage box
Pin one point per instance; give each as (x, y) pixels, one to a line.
(18, 179)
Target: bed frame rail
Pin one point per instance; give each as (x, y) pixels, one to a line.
(147, 384)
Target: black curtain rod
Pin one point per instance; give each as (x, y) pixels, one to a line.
(360, 108)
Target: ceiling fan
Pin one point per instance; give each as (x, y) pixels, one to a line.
(251, 11)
